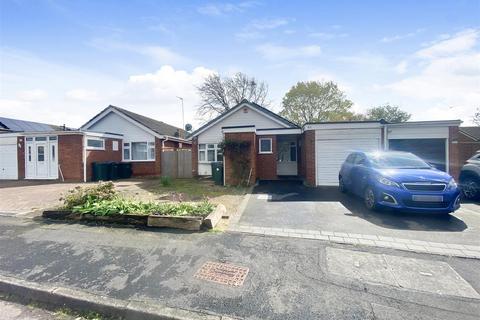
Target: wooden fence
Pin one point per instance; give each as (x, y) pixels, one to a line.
(177, 163)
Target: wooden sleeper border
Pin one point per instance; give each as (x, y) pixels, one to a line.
(191, 223)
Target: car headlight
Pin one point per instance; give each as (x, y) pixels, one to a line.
(388, 182)
(452, 185)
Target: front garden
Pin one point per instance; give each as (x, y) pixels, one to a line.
(102, 202)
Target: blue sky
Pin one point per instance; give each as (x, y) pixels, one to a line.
(63, 61)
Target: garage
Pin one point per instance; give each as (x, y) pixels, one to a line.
(8, 159)
(432, 151)
(333, 143)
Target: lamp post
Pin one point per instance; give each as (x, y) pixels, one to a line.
(183, 113)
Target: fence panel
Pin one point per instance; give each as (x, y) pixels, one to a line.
(177, 163)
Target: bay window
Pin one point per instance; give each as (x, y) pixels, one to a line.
(209, 152)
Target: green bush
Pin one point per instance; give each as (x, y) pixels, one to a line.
(166, 181)
(82, 195)
(124, 206)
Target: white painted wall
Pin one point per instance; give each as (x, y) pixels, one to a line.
(348, 134)
(418, 132)
(116, 124)
(238, 118)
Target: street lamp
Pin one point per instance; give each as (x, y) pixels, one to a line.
(183, 113)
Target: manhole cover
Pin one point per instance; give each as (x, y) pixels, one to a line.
(223, 273)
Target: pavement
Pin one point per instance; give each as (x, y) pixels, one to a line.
(287, 278)
(291, 208)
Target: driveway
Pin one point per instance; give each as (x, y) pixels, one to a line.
(290, 205)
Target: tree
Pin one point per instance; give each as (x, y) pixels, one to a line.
(476, 117)
(388, 113)
(314, 101)
(219, 94)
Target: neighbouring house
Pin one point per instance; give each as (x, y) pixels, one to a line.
(31, 150)
(469, 142)
(314, 152)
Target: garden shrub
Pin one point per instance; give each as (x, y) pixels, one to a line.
(166, 181)
(81, 195)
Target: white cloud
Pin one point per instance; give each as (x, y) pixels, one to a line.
(277, 52)
(32, 95)
(397, 37)
(327, 35)
(82, 95)
(447, 82)
(460, 42)
(401, 68)
(256, 28)
(221, 9)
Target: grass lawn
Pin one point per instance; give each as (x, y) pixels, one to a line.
(193, 189)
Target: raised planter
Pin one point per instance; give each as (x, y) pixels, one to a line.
(185, 222)
(192, 223)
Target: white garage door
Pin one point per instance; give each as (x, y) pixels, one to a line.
(330, 154)
(8, 162)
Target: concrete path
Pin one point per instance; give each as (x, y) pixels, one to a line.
(286, 279)
(17, 311)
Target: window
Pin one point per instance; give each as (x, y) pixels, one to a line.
(115, 145)
(209, 152)
(293, 151)
(139, 151)
(40, 153)
(126, 151)
(350, 158)
(52, 138)
(95, 144)
(265, 145)
(29, 153)
(41, 139)
(53, 153)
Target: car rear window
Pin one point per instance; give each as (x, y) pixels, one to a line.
(397, 161)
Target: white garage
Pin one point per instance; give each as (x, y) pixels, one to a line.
(334, 141)
(8, 159)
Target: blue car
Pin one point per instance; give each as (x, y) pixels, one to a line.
(398, 180)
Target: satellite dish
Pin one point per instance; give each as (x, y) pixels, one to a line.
(188, 127)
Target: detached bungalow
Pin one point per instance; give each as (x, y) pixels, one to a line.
(280, 149)
(31, 150)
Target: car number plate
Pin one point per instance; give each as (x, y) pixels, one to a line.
(427, 198)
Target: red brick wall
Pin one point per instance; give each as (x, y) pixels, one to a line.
(70, 156)
(104, 155)
(149, 168)
(454, 152)
(21, 157)
(467, 147)
(266, 166)
(307, 165)
(195, 156)
(230, 179)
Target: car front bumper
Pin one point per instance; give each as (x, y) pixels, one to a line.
(402, 199)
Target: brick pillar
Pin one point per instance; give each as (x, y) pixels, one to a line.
(230, 178)
(455, 163)
(21, 157)
(309, 157)
(195, 156)
(158, 156)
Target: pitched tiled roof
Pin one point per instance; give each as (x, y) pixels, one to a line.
(251, 104)
(473, 132)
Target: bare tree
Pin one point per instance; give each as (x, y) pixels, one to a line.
(476, 117)
(219, 94)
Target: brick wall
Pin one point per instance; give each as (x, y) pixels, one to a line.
(307, 165)
(230, 178)
(454, 152)
(21, 157)
(195, 156)
(104, 155)
(467, 147)
(266, 166)
(70, 156)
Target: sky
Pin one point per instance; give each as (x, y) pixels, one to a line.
(62, 62)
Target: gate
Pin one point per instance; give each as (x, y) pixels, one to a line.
(177, 163)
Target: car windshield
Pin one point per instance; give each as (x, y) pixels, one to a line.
(397, 161)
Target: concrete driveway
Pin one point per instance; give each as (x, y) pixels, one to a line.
(291, 205)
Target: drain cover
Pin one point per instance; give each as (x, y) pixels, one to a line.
(224, 273)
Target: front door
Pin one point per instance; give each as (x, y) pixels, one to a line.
(41, 160)
(287, 157)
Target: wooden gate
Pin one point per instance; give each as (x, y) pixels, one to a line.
(177, 163)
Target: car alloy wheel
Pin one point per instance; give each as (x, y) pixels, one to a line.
(471, 189)
(369, 199)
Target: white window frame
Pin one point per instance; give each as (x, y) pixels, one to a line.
(260, 146)
(114, 145)
(216, 149)
(96, 139)
(150, 146)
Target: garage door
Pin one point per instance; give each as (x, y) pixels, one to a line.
(8, 162)
(330, 155)
(431, 150)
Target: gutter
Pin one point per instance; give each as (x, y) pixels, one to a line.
(84, 156)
